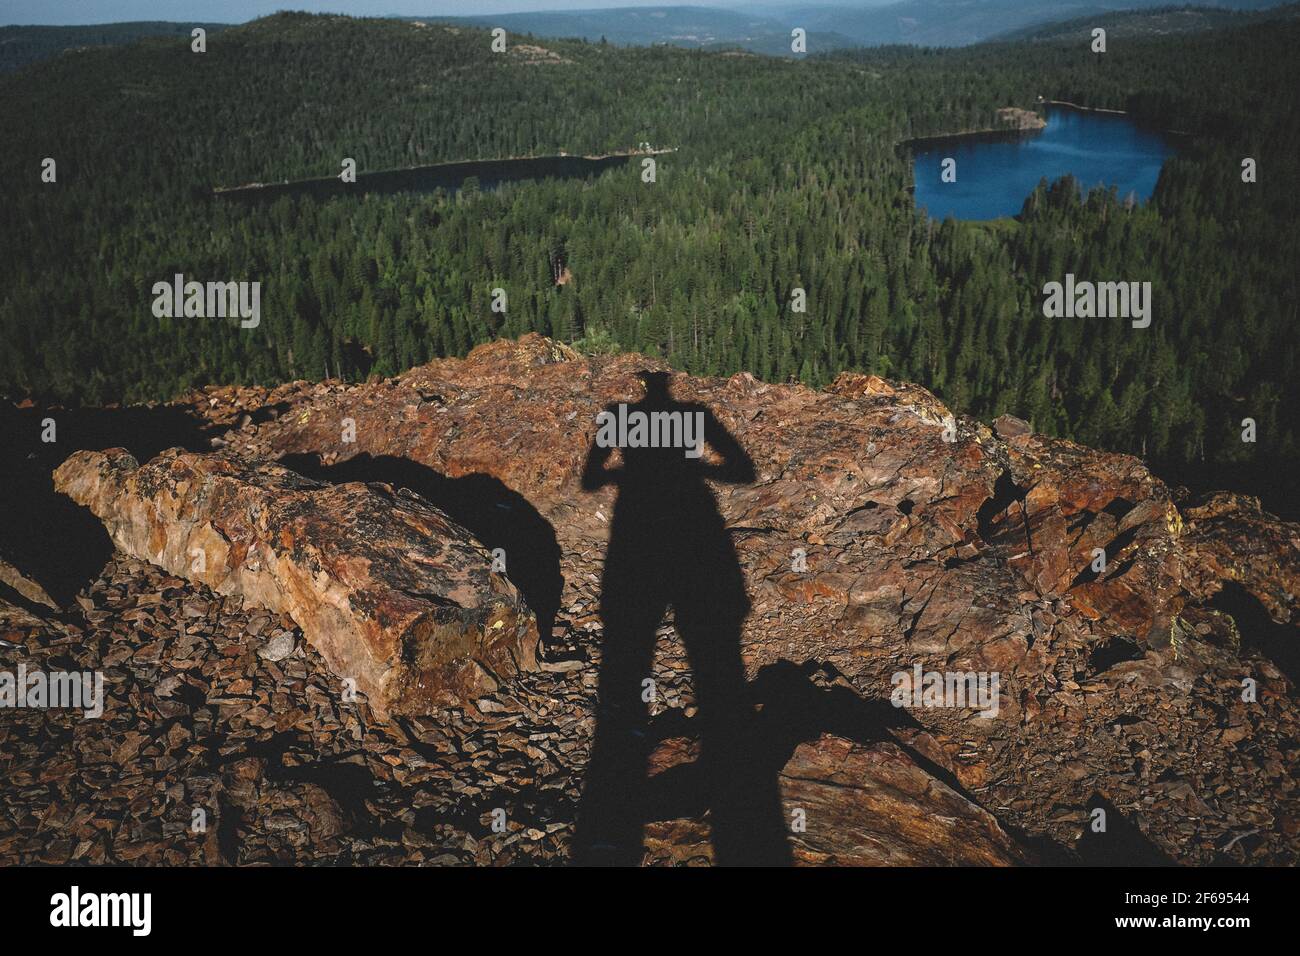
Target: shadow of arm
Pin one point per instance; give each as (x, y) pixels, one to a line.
(736, 467)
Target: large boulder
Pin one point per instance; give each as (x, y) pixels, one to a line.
(397, 597)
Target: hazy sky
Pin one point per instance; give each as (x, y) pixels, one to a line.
(237, 11)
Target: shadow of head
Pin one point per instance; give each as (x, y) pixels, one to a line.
(496, 515)
(656, 385)
(661, 443)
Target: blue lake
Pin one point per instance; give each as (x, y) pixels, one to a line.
(996, 172)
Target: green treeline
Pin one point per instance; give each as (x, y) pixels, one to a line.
(788, 174)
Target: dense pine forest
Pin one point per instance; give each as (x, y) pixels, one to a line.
(786, 174)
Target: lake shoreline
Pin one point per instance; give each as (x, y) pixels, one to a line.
(446, 174)
(993, 133)
(1096, 147)
(998, 132)
(1101, 109)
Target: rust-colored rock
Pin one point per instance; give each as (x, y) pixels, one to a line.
(873, 806)
(25, 586)
(1231, 539)
(1146, 685)
(394, 595)
(850, 804)
(952, 548)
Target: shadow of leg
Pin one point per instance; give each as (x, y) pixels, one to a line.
(611, 816)
(746, 819)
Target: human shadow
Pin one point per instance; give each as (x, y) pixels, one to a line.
(669, 547)
(486, 507)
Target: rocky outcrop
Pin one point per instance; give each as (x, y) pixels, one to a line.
(1141, 646)
(924, 539)
(398, 599)
(1021, 119)
(1231, 539)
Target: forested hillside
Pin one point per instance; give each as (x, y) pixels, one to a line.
(960, 22)
(1162, 21)
(829, 26)
(694, 26)
(788, 174)
(22, 45)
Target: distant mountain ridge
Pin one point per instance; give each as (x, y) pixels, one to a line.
(828, 26)
(21, 45)
(688, 26)
(1162, 21)
(763, 28)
